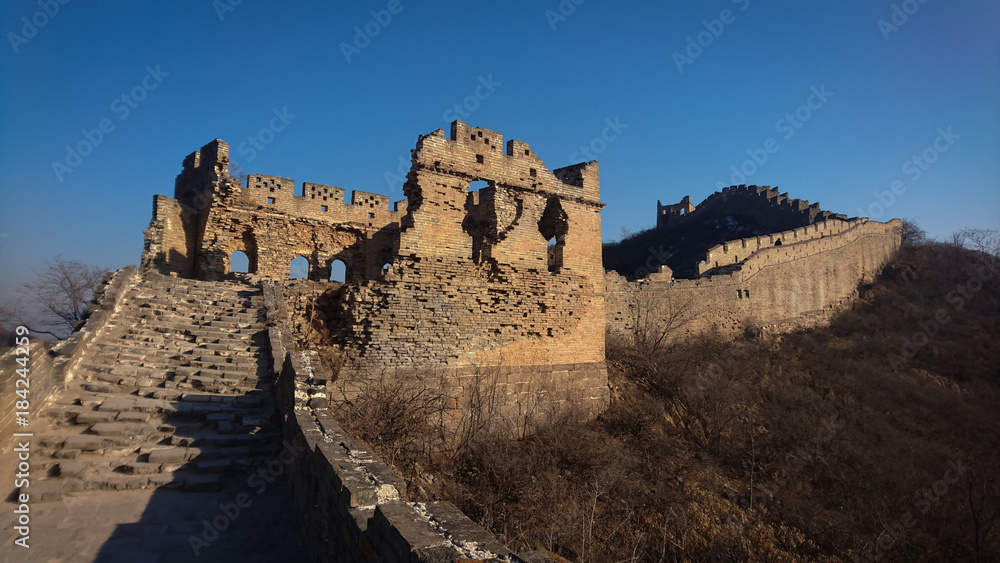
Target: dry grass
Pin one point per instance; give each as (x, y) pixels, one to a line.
(801, 447)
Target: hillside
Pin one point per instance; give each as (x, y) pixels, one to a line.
(874, 437)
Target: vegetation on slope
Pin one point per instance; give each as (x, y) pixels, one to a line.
(875, 437)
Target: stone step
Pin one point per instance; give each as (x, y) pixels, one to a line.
(175, 394)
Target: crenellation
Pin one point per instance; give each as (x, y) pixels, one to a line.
(519, 149)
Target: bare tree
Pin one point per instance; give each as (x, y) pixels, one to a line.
(55, 303)
(238, 174)
(912, 234)
(986, 241)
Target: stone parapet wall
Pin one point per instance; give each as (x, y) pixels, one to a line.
(745, 250)
(319, 202)
(42, 383)
(70, 354)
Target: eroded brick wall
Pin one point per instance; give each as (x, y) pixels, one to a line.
(508, 276)
(211, 216)
(353, 507)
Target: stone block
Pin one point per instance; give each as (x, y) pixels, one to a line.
(108, 429)
(94, 417)
(168, 455)
(44, 491)
(71, 469)
(83, 443)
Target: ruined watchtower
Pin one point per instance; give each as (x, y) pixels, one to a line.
(507, 274)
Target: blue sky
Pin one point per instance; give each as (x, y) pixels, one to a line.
(832, 105)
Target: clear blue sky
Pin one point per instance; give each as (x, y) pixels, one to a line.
(555, 79)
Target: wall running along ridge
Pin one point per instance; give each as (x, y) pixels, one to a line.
(767, 205)
(814, 273)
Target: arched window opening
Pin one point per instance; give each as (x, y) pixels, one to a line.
(777, 242)
(386, 266)
(554, 226)
(338, 271)
(299, 268)
(239, 262)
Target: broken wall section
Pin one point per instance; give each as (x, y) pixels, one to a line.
(508, 276)
(211, 216)
(352, 506)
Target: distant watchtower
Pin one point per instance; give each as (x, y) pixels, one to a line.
(665, 213)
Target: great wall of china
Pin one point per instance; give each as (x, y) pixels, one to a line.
(187, 375)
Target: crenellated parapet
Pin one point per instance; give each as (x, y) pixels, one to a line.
(763, 202)
(740, 259)
(735, 252)
(321, 202)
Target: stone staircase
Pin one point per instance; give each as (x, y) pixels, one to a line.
(176, 393)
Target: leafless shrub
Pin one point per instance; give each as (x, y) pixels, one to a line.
(985, 241)
(479, 414)
(655, 317)
(400, 416)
